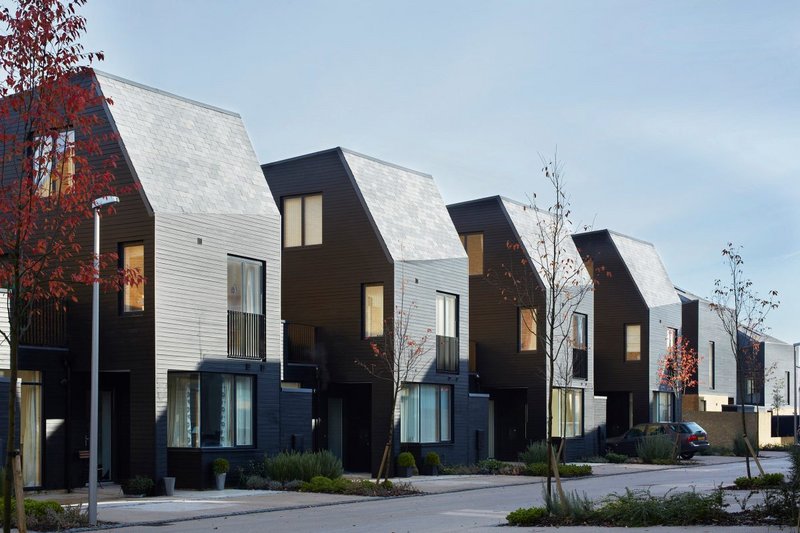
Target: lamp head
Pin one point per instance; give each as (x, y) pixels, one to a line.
(104, 201)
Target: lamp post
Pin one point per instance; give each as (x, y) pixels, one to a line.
(796, 389)
(96, 206)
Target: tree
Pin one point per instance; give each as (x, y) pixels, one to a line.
(550, 275)
(743, 314)
(677, 371)
(396, 360)
(50, 172)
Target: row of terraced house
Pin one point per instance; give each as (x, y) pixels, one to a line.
(267, 283)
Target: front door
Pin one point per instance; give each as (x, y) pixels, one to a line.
(104, 436)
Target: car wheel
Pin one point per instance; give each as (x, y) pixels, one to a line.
(687, 455)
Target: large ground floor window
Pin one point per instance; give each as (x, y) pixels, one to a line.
(30, 416)
(662, 407)
(425, 413)
(212, 410)
(567, 412)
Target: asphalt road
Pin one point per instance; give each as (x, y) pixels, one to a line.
(475, 510)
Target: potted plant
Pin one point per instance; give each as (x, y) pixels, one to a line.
(405, 464)
(432, 463)
(220, 466)
(137, 486)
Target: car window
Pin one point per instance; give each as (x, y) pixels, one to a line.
(655, 429)
(635, 431)
(691, 427)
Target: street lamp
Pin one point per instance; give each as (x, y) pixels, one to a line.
(96, 206)
(796, 389)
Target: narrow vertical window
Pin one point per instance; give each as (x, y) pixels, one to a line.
(54, 163)
(446, 332)
(672, 336)
(246, 334)
(473, 244)
(527, 329)
(292, 222)
(302, 221)
(712, 365)
(633, 342)
(580, 343)
(373, 310)
(788, 387)
(567, 407)
(133, 297)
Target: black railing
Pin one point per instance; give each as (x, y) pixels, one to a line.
(300, 342)
(580, 364)
(446, 354)
(246, 335)
(48, 325)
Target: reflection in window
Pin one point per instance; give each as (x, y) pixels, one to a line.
(425, 413)
(302, 221)
(527, 329)
(633, 342)
(133, 297)
(567, 407)
(54, 163)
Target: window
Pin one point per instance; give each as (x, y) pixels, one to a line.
(580, 343)
(246, 337)
(672, 336)
(302, 221)
(752, 392)
(446, 332)
(425, 413)
(133, 297)
(209, 410)
(473, 244)
(788, 381)
(662, 407)
(30, 428)
(54, 162)
(527, 329)
(633, 342)
(373, 310)
(567, 407)
(712, 365)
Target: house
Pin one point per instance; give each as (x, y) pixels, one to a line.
(189, 361)
(508, 358)
(637, 317)
(365, 240)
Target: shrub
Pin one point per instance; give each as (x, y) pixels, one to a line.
(616, 457)
(776, 447)
(47, 515)
(656, 450)
(137, 485)
(762, 481)
(740, 448)
(363, 487)
(639, 508)
(536, 452)
(526, 517)
(432, 459)
(254, 482)
(220, 466)
(288, 466)
(577, 507)
(794, 469)
(406, 460)
(716, 450)
(568, 470)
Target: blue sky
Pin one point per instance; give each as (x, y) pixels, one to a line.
(677, 123)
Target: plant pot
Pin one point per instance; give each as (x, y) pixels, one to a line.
(220, 479)
(405, 471)
(169, 486)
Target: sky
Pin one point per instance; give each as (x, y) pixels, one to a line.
(676, 122)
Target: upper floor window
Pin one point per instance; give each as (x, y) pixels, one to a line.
(712, 365)
(473, 244)
(246, 333)
(672, 338)
(373, 310)
(302, 220)
(633, 342)
(580, 343)
(527, 329)
(133, 296)
(54, 162)
(446, 332)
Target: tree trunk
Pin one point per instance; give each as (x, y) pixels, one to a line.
(8, 485)
(383, 469)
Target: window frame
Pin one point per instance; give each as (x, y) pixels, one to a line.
(582, 351)
(672, 337)
(125, 288)
(712, 365)
(465, 243)
(303, 222)
(535, 331)
(658, 404)
(262, 279)
(438, 387)
(442, 368)
(564, 393)
(364, 314)
(625, 343)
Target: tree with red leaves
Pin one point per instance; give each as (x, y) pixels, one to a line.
(51, 170)
(677, 371)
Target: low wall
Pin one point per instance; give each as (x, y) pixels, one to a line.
(724, 426)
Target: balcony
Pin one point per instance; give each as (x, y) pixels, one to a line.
(246, 336)
(580, 364)
(446, 354)
(300, 341)
(48, 326)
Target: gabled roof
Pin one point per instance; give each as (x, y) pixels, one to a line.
(188, 157)
(686, 296)
(647, 270)
(406, 208)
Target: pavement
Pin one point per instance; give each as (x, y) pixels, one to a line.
(115, 510)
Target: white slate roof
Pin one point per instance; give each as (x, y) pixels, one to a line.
(407, 210)
(188, 157)
(647, 270)
(526, 221)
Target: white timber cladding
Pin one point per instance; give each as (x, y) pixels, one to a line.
(661, 318)
(4, 348)
(778, 360)
(709, 328)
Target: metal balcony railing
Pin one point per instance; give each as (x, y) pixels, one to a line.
(246, 335)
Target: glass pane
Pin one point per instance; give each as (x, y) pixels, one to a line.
(133, 297)
(633, 342)
(555, 403)
(313, 220)
(244, 410)
(444, 413)
(252, 290)
(183, 410)
(440, 314)
(54, 163)
(234, 284)
(451, 314)
(527, 329)
(30, 433)
(373, 310)
(292, 222)
(579, 331)
(475, 253)
(428, 403)
(578, 410)
(217, 410)
(409, 413)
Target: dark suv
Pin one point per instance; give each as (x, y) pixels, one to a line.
(693, 438)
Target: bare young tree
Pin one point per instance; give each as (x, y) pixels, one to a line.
(549, 274)
(743, 314)
(397, 360)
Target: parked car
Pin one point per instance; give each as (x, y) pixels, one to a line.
(693, 438)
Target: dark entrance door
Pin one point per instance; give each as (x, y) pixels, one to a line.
(355, 423)
(510, 418)
(618, 413)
